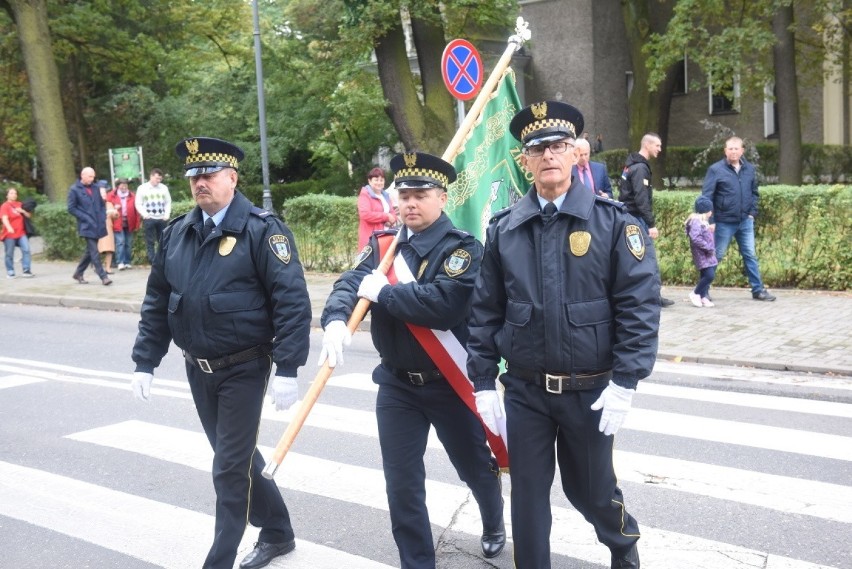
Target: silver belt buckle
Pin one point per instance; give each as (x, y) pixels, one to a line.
(550, 380)
(416, 378)
(204, 365)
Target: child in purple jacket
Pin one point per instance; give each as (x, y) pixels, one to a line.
(700, 234)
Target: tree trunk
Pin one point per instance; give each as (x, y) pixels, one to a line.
(645, 107)
(787, 99)
(404, 107)
(51, 132)
(439, 104)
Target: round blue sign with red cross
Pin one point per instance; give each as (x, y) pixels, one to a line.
(461, 67)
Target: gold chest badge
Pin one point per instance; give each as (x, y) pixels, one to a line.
(579, 242)
(226, 245)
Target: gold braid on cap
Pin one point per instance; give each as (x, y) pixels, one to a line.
(424, 172)
(547, 123)
(212, 157)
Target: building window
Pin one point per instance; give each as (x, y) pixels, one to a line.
(721, 103)
(770, 112)
(681, 78)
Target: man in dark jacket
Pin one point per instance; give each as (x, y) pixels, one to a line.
(228, 288)
(87, 206)
(731, 184)
(567, 296)
(436, 266)
(636, 191)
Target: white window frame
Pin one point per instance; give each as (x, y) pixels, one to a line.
(736, 103)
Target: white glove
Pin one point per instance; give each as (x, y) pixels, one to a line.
(141, 385)
(335, 337)
(284, 392)
(490, 408)
(372, 285)
(615, 402)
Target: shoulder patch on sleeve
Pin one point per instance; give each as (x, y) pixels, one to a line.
(457, 263)
(280, 246)
(635, 241)
(363, 255)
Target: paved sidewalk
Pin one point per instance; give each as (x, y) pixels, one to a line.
(805, 331)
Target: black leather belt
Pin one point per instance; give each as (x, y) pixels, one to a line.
(415, 377)
(208, 365)
(560, 381)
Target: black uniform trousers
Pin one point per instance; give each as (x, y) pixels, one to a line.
(404, 413)
(229, 403)
(90, 257)
(535, 420)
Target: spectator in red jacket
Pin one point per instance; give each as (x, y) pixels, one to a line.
(13, 233)
(375, 207)
(125, 224)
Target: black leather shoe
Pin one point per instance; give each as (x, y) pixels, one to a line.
(763, 295)
(665, 301)
(106, 281)
(493, 542)
(629, 560)
(79, 279)
(263, 553)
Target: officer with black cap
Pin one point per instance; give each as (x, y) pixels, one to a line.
(436, 266)
(567, 296)
(227, 287)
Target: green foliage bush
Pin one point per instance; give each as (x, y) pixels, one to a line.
(803, 236)
(326, 230)
(803, 239)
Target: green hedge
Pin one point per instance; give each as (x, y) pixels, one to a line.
(326, 230)
(803, 239)
(59, 230)
(803, 236)
(687, 165)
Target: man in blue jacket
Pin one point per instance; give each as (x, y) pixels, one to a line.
(731, 184)
(87, 206)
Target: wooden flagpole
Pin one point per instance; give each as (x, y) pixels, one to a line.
(515, 42)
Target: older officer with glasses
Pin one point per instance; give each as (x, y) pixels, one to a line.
(567, 295)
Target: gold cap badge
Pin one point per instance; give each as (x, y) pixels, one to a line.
(539, 110)
(192, 146)
(410, 159)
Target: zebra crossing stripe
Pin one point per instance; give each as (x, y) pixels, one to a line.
(158, 533)
(449, 505)
(17, 381)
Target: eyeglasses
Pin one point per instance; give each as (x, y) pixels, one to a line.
(558, 147)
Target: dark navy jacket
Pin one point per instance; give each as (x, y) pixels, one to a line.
(635, 189)
(439, 299)
(579, 294)
(89, 210)
(240, 288)
(734, 195)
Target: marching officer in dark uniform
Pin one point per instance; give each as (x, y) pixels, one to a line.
(413, 394)
(228, 288)
(568, 296)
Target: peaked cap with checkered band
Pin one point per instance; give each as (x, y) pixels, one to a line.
(546, 121)
(205, 155)
(418, 170)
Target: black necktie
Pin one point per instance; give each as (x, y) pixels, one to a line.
(209, 226)
(548, 212)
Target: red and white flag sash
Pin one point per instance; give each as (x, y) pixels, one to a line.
(448, 354)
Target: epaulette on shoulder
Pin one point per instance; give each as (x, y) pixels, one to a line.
(609, 202)
(174, 220)
(460, 232)
(390, 231)
(261, 213)
(499, 214)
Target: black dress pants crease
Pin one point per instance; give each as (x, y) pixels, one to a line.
(229, 404)
(404, 413)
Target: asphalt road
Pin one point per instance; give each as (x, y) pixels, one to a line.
(723, 467)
